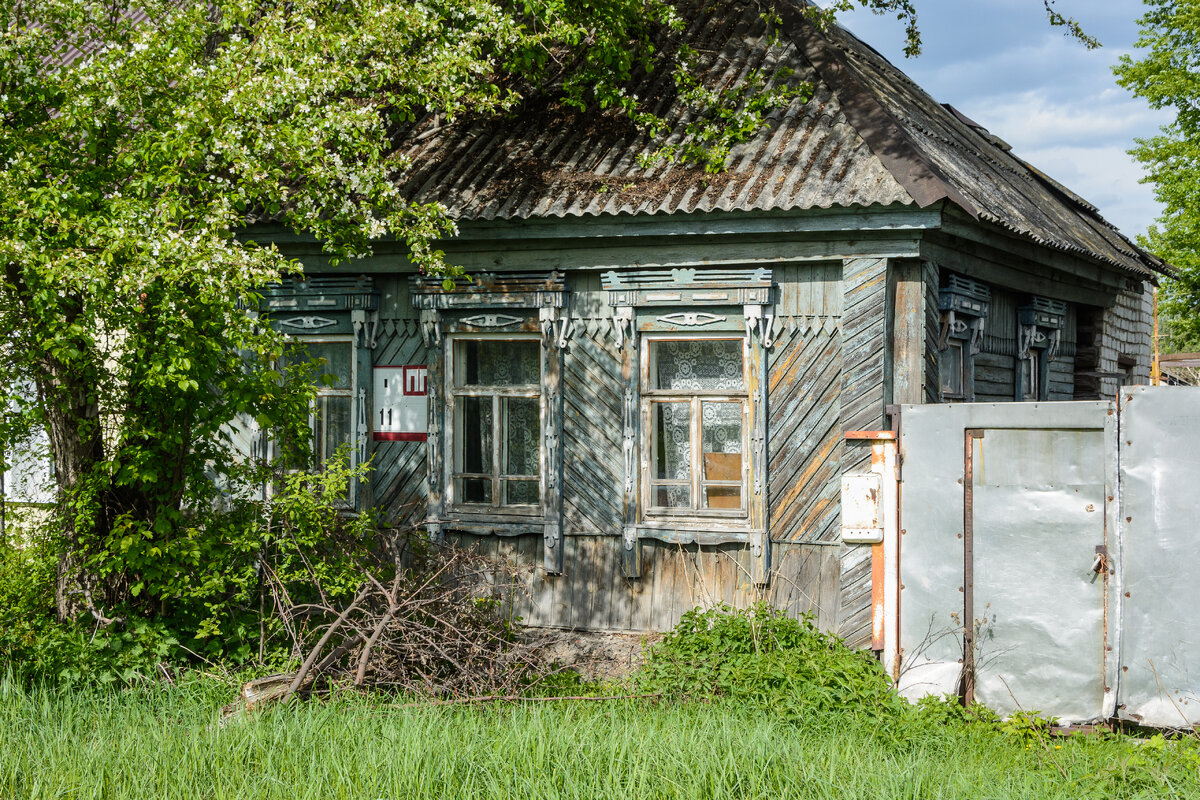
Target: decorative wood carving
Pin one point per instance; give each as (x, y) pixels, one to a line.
(691, 318)
(491, 320)
(308, 323)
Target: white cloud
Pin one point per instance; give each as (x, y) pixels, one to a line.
(1103, 175)
(1053, 100)
(1033, 119)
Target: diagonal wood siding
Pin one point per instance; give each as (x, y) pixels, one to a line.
(865, 361)
(592, 467)
(398, 482)
(933, 324)
(805, 433)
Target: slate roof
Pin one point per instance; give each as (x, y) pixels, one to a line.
(868, 136)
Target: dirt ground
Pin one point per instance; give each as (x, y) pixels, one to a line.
(596, 656)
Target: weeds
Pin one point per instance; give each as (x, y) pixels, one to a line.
(767, 660)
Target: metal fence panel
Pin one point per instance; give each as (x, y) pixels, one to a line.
(1160, 511)
(1038, 515)
(932, 557)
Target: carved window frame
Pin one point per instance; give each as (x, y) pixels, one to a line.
(963, 306)
(332, 309)
(516, 305)
(455, 395)
(692, 303)
(1040, 324)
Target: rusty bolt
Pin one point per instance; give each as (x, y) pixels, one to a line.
(902, 531)
(1124, 669)
(960, 536)
(1110, 498)
(1090, 507)
(960, 588)
(902, 587)
(1127, 594)
(1129, 519)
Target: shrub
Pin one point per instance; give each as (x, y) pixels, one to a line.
(762, 657)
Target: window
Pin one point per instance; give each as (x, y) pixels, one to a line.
(1039, 334)
(963, 305)
(952, 367)
(1030, 379)
(495, 392)
(695, 404)
(332, 415)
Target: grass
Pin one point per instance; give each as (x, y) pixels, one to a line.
(165, 743)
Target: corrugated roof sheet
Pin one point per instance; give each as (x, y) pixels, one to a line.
(554, 162)
(868, 136)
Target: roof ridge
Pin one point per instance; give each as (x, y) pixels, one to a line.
(874, 123)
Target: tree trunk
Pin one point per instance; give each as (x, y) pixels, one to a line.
(76, 445)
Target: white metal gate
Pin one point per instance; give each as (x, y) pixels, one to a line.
(1047, 556)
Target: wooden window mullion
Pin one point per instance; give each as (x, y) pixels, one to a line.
(697, 459)
(497, 428)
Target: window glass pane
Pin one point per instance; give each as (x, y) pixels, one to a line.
(723, 496)
(474, 435)
(522, 493)
(950, 365)
(497, 362)
(721, 432)
(331, 426)
(698, 365)
(1029, 377)
(672, 497)
(474, 490)
(335, 371)
(521, 436)
(671, 433)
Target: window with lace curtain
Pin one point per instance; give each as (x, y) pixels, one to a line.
(495, 439)
(695, 408)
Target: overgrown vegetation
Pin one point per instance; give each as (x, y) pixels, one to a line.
(764, 659)
(164, 742)
(265, 583)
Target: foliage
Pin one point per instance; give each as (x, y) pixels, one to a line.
(214, 590)
(764, 658)
(1167, 76)
(163, 741)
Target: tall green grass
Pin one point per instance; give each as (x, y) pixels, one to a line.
(166, 743)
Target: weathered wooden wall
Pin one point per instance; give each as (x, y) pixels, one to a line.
(592, 465)
(592, 594)
(1114, 344)
(399, 482)
(866, 378)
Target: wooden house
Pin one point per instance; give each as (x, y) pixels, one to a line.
(643, 395)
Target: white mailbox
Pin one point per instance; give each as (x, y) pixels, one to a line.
(401, 404)
(862, 508)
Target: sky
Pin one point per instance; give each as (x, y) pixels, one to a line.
(1054, 101)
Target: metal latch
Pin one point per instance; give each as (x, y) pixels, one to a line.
(1101, 562)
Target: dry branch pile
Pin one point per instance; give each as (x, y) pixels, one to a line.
(434, 619)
